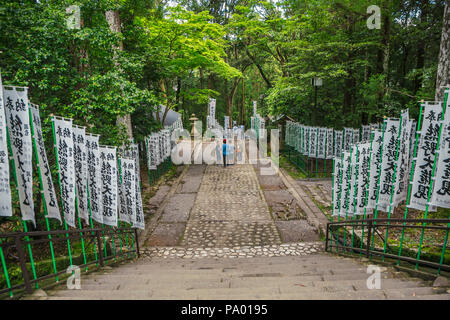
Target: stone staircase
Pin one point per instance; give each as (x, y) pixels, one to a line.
(312, 276)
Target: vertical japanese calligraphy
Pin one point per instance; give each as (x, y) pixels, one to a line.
(94, 178)
(5, 190)
(18, 122)
(108, 178)
(375, 166)
(51, 201)
(425, 155)
(66, 163)
(80, 154)
(441, 190)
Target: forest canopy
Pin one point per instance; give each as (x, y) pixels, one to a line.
(128, 57)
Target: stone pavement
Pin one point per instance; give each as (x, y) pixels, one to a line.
(230, 211)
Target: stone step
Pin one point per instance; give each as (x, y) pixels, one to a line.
(249, 293)
(287, 282)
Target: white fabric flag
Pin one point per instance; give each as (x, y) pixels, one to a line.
(321, 143)
(352, 196)
(402, 177)
(139, 221)
(348, 139)
(108, 161)
(80, 154)
(345, 191)
(363, 177)
(129, 185)
(313, 142)
(425, 156)
(51, 201)
(388, 163)
(212, 108)
(18, 122)
(66, 163)
(365, 133)
(94, 177)
(355, 138)
(441, 190)
(375, 165)
(337, 186)
(329, 151)
(5, 187)
(122, 206)
(338, 143)
(127, 211)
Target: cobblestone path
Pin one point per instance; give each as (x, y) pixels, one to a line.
(230, 211)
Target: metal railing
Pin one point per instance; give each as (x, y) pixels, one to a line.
(363, 236)
(100, 245)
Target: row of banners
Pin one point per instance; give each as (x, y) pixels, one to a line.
(392, 167)
(325, 143)
(98, 182)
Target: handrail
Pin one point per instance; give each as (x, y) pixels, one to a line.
(372, 225)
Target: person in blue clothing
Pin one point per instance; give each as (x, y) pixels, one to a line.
(224, 152)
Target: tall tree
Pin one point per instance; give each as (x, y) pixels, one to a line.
(443, 71)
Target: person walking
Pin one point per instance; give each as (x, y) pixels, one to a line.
(224, 152)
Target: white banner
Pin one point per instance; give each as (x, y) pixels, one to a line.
(108, 162)
(313, 142)
(226, 122)
(441, 190)
(337, 186)
(212, 108)
(363, 177)
(321, 143)
(80, 154)
(352, 196)
(139, 217)
(329, 151)
(375, 165)
(355, 138)
(18, 122)
(388, 163)
(66, 163)
(128, 175)
(348, 139)
(365, 133)
(402, 177)
(425, 155)
(5, 188)
(51, 202)
(338, 143)
(94, 178)
(346, 177)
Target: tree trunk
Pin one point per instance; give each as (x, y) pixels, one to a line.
(243, 102)
(443, 71)
(113, 19)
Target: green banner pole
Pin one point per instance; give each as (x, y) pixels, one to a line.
(392, 187)
(411, 176)
(378, 186)
(432, 178)
(367, 193)
(340, 198)
(355, 195)
(60, 188)
(347, 197)
(25, 229)
(42, 195)
(5, 270)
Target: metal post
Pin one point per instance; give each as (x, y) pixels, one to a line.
(137, 242)
(23, 265)
(369, 233)
(99, 244)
